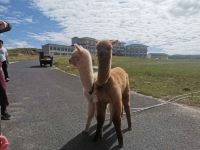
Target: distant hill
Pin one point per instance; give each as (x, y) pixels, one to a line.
(23, 51)
(184, 57)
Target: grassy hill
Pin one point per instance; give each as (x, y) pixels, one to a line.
(184, 57)
(18, 54)
(25, 51)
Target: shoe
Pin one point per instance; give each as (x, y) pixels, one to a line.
(7, 79)
(5, 116)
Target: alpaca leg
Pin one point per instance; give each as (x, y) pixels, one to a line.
(126, 103)
(110, 110)
(117, 123)
(122, 111)
(101, 111)
(91, 111)
(128, 114)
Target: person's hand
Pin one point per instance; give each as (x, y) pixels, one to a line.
(3, 142)
(3, 25)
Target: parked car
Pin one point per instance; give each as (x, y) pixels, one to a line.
(45, 59)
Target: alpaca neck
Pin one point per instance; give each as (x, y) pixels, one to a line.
(104, 70)
(86, 76)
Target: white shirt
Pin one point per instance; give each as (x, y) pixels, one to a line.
(3, 54)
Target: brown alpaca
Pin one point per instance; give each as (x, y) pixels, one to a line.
(82, 60)
(112, 86)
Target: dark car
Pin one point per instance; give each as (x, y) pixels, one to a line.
(45, 59)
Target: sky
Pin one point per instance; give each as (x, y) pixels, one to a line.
(167, 26)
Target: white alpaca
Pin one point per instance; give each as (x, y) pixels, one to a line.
(82, 60)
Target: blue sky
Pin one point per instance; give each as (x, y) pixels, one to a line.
(169, 26)
(25, 19)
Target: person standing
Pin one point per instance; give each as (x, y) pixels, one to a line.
(4, 60)
(4, 27)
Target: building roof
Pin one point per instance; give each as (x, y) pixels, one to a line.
(119, 42)
(55, 45)
(158, 54)
(137, 45)
(89, 38)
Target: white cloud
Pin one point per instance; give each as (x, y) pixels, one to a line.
(4, 2)
(173, 25)
(50, 37)
(17, 44)
(20, 20)
(28, 20)
(17, 14)
(186, 8)
(3, 9)
(4, 6)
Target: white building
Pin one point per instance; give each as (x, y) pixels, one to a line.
(119, 48)
(55, 49)
(86, 42)
(137, 50)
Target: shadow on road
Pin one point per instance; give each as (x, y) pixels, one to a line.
(35, 66)
(38, 67)
(85, 142)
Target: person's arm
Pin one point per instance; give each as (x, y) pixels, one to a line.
(4, 26)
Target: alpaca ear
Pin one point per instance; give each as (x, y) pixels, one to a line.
(113, 41)
(77, 47)
(97, 41)
(81, 47)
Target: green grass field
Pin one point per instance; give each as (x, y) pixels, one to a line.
(20, 54)
(13, 58)
(158, 78)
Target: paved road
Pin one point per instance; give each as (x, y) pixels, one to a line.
(49, 112)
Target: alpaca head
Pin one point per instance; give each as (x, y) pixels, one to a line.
(104, 50)
(104, 54)
(80, 56)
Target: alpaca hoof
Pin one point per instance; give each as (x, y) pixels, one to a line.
(117, 147)
(85, 132)
(110, 124)
(97, 138)
(120, 146)
(129, 128)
